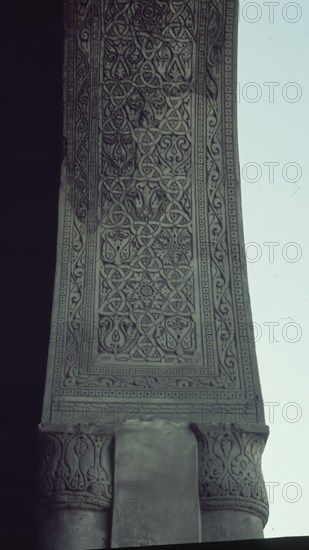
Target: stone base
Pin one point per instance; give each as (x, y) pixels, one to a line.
(225, 525)
(74, 530)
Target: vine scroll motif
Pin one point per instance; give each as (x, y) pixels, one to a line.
(81, 45)
(217, 198)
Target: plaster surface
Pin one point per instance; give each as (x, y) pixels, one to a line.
(151, 313)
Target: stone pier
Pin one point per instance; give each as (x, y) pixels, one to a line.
(152, 427)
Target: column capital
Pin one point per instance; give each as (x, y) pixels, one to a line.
(230, 475)
(75, 467)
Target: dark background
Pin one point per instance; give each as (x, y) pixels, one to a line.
(30, 158)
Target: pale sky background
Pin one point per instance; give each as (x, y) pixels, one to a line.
(273, 126)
